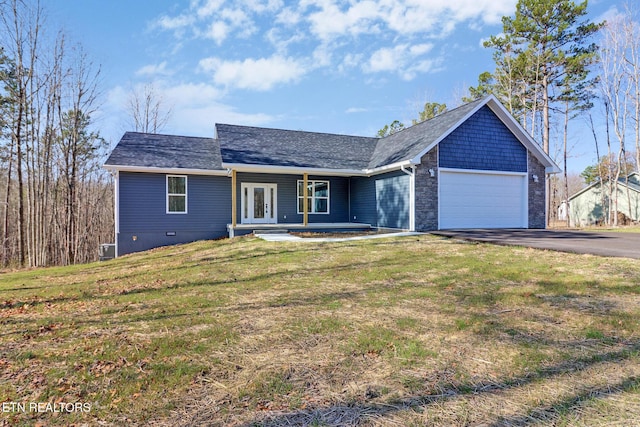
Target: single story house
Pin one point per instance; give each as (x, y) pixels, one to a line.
(471, 167)
(591, 204)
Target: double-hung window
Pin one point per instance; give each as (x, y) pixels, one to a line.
(317, 197)
(176, 194)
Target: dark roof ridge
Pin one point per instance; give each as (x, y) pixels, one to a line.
(300, 131)
(170, 135)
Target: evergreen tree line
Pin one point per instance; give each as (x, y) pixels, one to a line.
(56, 202)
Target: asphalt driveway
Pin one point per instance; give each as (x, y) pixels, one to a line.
(626, 245)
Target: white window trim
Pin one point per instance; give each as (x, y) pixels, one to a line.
(186, 194)
(313, 197)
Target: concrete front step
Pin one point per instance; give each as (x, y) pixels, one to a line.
(270, 231)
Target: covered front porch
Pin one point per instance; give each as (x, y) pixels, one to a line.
(244, 229)
(289, 202)
(320, 202)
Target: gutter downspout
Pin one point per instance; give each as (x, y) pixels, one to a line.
(412, 195)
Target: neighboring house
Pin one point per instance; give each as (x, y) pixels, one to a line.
(471, 167)
(591, 205)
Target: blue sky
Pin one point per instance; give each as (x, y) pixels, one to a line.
(318, 65)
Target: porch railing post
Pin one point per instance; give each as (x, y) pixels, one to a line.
(305, 196)
(234, 199)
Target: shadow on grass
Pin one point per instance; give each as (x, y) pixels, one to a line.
(32, 329)
(361, 412)
(561, 407)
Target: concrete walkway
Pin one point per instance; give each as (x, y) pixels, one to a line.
(286, 237)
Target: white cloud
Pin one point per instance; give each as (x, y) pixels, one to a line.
(261, 6)
(207, 8)
(200, 121)
(154, 70)
(353, 110)
(402, 59)
(175, 23)
(258, 74)
(420, 49)
(288, 17)
(330, 21)
(282, 41)
(195, 110)
(197, 107)
(322, 56)
(386, 59)
(191, 94)
(218, 32)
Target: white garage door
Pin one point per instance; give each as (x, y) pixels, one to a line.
(482, 200)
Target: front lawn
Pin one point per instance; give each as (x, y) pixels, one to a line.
(397, 331)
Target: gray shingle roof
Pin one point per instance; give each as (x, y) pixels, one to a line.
(166, 151)
(408, 143)
(276, 147)
(284, 148)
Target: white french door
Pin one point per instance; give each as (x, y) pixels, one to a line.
(259, 203)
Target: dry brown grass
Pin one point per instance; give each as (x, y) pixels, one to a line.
(405, 331)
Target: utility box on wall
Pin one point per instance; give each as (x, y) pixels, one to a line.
(107, 251)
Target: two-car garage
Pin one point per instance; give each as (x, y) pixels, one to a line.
(482, 199)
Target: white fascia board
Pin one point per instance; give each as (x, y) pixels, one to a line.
(179, 171)
(292, 170)
(389, 168)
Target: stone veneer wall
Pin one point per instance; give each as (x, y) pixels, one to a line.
(427, 192)
(537, 193)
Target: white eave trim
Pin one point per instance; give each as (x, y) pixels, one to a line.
(241, 167)
(295, 170)
(292, 170)
(391, 167)
(179, 171)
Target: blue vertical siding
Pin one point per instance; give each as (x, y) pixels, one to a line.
(392, 200)
(483, 142)
(363, 201)
(143, 214)
(288, 197)
(381, 200)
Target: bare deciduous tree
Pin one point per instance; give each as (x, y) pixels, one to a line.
(617, 88)
(57, 202)
(147, 109)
